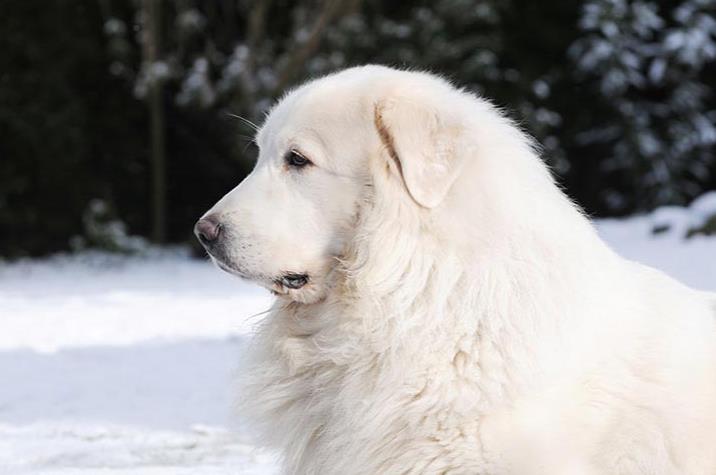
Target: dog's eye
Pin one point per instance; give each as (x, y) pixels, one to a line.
(295, 159)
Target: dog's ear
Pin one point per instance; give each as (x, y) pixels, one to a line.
(423, 144)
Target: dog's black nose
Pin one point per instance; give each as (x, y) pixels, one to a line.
(208, 230)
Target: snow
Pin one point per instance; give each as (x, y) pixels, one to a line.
(692, 261)
(123, 364)
(68, 302)
(703, 207)
(126, 365)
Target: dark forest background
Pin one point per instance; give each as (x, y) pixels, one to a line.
(118, 119)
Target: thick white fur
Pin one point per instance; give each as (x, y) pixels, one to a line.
(475, 325)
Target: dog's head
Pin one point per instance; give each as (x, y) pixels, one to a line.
(321, 147)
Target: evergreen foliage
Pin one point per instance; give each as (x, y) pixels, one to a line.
(619, 93)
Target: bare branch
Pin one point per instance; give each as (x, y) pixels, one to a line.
(330, 11)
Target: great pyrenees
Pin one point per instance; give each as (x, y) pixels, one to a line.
(442, 307)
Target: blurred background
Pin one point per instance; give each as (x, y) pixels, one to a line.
(119, 120)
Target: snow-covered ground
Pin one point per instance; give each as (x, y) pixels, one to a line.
(125, 365)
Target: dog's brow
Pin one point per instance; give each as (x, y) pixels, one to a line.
(302, 140)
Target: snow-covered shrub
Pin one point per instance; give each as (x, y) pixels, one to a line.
(703, 210)
(648, 62)
(104, 231)
(699, 218)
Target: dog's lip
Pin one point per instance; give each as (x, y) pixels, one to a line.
(231, 269)
(293, 280)
(278, 286)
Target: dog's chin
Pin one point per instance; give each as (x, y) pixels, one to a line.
(301, 288)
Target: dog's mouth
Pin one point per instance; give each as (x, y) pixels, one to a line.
(300, 287)
(281, 285)
(292, 280)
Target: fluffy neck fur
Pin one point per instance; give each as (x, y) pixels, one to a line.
(422, 297)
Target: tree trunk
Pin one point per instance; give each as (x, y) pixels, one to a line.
(151, 44)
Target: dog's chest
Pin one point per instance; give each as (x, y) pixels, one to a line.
(385, 405)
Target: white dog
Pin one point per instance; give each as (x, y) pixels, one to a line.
(443, 307)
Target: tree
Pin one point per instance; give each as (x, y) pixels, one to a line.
(154, 71)
(618, 93)
(650, 64)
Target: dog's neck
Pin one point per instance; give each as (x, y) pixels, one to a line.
(420, 290)
(453, 277)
